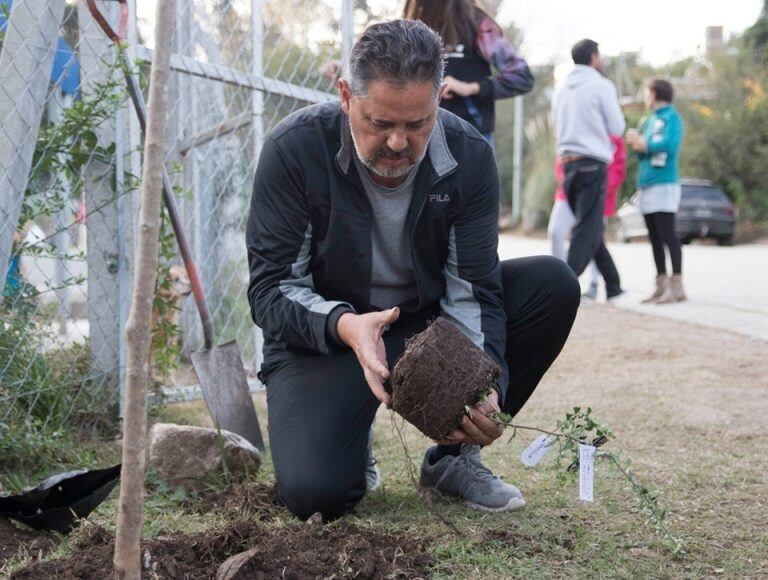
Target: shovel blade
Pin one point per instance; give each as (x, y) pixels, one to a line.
(222, 379)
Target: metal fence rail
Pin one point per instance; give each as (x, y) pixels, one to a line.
(69, 165)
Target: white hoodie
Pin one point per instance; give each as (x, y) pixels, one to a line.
(586, 109)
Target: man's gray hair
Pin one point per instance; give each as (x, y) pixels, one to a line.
(398, 52)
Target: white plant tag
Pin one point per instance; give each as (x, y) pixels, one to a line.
(586, 472)
(536, 451)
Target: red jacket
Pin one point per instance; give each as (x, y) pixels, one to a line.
(617, 173)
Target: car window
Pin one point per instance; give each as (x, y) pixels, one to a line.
(703, 193)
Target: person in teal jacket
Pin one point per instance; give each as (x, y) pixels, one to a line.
(657, 145)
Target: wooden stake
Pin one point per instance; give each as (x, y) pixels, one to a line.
(127, 558)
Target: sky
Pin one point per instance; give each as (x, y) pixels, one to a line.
(663, 30)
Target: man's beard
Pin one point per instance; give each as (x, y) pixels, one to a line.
(387, 153)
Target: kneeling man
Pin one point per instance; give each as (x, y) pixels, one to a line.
(369, 218)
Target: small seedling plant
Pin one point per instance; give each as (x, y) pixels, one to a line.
(579, 428)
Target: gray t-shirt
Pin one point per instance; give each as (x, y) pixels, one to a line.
(393, 280)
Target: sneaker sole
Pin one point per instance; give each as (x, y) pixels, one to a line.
(516, 503)
(372, 482)
(372, 488)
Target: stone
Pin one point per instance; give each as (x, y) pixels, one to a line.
(191, 457)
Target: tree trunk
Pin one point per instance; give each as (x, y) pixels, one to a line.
(138, 334)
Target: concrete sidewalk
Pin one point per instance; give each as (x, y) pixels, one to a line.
(727, 287)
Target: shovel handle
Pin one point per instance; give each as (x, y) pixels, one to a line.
(170, 202)
(116, 37)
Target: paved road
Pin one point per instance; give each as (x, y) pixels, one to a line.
(727, 287)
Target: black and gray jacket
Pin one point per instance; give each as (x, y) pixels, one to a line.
(309, 235)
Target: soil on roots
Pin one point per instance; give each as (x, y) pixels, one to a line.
(284, 550)
(440, 373)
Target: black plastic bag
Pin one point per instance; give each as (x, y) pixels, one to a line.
(61, 500)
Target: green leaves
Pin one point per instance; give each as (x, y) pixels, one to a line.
(504, 417)
(66, 146)
(580, 427)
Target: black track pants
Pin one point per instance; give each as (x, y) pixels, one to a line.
(584, 186)
(321, 409)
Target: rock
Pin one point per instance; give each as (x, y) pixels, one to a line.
(192, 456)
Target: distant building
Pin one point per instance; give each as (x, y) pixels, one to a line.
(715, 42)
(697, 83)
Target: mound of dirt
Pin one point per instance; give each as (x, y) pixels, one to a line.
(295, 550)
(440, 373)
(175, 556)
(337, 551)
(12, 538)
(254, 501)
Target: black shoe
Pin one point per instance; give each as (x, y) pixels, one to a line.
(610, 294)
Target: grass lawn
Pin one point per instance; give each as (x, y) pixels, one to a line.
(687, 404)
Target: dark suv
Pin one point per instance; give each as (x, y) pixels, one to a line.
(705, 212)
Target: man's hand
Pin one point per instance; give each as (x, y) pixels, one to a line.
(477, 428)
(362, 332)
(455, 86)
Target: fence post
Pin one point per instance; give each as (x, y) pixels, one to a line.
(56, 105)
(128, 162)
(25, 70)
(103, 254)
(347, 31)
(257, 127)
(517, 161)
(183, 124)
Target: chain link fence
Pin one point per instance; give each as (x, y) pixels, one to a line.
(70, 157)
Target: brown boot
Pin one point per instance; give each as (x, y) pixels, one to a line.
(674, 292)
(662, 283)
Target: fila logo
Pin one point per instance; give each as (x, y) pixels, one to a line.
(439, 198)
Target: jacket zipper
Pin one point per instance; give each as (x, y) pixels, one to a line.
(413, 235)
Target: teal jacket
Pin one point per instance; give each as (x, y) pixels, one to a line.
(663, 131)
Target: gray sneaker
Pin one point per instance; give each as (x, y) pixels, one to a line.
(467, 478)
(372, 473)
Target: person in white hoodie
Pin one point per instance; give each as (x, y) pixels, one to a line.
(587, 112)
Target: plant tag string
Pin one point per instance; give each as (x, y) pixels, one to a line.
(536, 451)
(586, 472)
